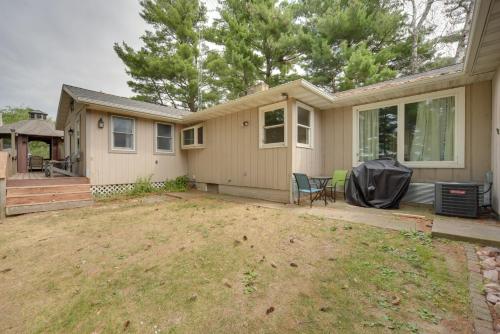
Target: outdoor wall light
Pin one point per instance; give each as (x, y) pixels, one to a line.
(100, 123)
(71, 131)
(245, 123)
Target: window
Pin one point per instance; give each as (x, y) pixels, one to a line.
(273, 125)
(123, 133)
(193, 137)
(430, 129)
(378, 133)
(164, 138)
(424, 131)
(305, 119)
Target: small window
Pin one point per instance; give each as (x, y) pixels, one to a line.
(304, 125)
(164, 138)
(193, 137)
(273, 125)
(123, 133)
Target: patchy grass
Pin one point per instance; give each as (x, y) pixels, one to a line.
(161, 265)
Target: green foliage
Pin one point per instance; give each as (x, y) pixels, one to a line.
(39, 148)
(259, 42)
(14, 114)
(249, 278)
(179, 184)
(348, 44)
(164, 70)
(337, 44)
(142, 186)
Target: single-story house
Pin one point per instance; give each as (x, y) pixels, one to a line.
(443, 123)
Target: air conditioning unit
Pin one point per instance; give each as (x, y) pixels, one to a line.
(457, 199)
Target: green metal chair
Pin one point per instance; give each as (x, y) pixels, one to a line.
(339, 179)
(304, 186)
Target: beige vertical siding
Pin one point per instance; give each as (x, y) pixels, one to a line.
(106, 167)
(337, 139)
(79, 111)
(495, 141)
(232, 156)
(310, 160)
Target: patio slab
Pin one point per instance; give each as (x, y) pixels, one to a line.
(479, 231)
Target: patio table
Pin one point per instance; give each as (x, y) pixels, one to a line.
(322, 183)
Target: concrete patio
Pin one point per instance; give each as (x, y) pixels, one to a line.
(484, 231)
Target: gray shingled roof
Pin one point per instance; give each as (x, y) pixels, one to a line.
(32, 127)
(90, 96)
(401, 81)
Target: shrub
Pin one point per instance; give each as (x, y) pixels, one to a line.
(142, 185)
(179, 184)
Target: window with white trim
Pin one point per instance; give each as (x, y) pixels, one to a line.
(122, 133)
(164, 141)
(193, 137)
(424, 131)
(305, 119)
(272, 129)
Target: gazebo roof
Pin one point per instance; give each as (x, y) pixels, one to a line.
(32, 127)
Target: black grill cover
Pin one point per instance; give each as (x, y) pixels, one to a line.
(379, 184)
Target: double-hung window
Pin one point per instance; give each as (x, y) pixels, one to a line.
(122, 133)
(193, 137)
(305, 121)
(424, 131)
(164, 140)
(272, 129)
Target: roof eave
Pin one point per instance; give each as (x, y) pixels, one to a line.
(399, 88)
(481, 10)
(110, 108)
(218, 110)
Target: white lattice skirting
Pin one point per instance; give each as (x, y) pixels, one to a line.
(111, 189)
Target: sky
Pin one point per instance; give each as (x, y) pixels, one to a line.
(47, 43)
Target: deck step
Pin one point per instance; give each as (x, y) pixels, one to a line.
(36, 195)
(48, 198)
(35, 190)
(21, 209)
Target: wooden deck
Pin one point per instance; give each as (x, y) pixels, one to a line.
(33, 192)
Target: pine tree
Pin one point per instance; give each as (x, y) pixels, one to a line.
(166, 69)
(258, 41)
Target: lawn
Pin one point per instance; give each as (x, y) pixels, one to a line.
(164, 265)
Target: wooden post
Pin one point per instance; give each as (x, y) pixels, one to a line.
(3, 199)
(4, 156)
